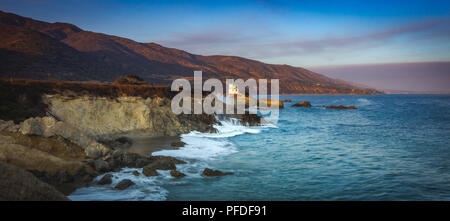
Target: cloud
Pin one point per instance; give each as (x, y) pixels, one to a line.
(415, 76)
(260, 44)
(389, 33)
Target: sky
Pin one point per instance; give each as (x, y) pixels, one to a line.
(332, 37)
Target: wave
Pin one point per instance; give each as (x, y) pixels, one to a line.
(145, 188)
(200, 148)
(209, 146)
(199, 151)
(364, 102)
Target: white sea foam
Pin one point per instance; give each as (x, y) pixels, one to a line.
(209, 146)
(145, 188)
(364, 102)
(199, 150)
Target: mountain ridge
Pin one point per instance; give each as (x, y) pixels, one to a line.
(61, 51)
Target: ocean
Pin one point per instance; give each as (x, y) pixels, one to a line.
(393, 147)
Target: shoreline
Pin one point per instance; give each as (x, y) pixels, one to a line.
(146, 145)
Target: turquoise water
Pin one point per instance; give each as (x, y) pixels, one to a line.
(394, 147)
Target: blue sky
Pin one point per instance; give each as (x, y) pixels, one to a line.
(299, 33)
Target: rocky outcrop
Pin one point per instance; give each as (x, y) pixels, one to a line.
(177, 174)
(124, 184)
(302, 104)
(341, 107)
(211, 172)
(8, 126)
(49, 126)
(102, 166)
(164, 163)
(178, 144)
(107, 117)
(51, 160)
(122, 158)
(34, 159)
(118, 143)
(149, 171)
(246, 119)
(160, 163)
(105, 180)
(18, 184)
(85, 136)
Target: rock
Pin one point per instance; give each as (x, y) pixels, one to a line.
(341, 107)
(6, 125)
(177, 174)
(99, 116)
(33, 159)
(247, 119)
(55, 145)
(119, 143)
(63, 177)
(106, 179)
(164, 163)
(149, 171)
(210, 172)
(101, 166)
(49, 126)
(167, 159)
(124, 184)
(96, 150)
(302, 104)
(136, 173)
(6, 140)
(251, 119)
(121, 158)
(178, 144)
(63, 170)
(287, 100)
(18, 184)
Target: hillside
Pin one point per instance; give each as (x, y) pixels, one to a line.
(60, 51)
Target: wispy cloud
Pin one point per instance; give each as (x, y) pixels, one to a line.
(318, 45)
(260, 45)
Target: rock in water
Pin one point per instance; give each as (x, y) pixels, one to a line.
(302, 104)
(124, 184)
(164, 163)
(341, 107)
(136, 173)
(149, 171)
(18, 184)
(210, 172)
(177, 174)
(178, 144)
(106, 179)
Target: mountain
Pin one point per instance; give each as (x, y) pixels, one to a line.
(61, 51)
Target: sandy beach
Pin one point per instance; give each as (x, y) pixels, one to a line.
(146, 145)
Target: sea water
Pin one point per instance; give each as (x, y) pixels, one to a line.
(393, 147)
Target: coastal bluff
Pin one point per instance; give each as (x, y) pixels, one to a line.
(109, 117)
(65, 134)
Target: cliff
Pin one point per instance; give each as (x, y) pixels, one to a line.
(66, 133)
(111, 117)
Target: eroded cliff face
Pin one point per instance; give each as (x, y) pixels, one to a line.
(105, 117)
